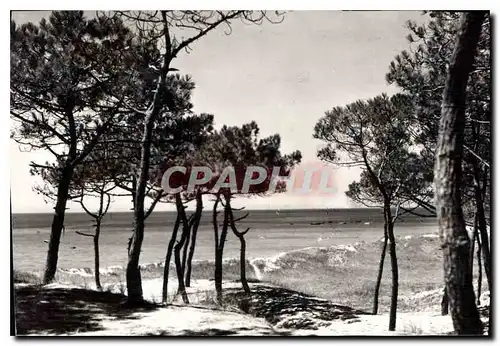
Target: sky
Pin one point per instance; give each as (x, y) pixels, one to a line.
(283, 76)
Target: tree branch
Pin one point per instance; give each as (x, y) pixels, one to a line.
(242, 217)
(85, 234)
(205, 31)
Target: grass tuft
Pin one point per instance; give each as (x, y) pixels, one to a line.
(26, 278)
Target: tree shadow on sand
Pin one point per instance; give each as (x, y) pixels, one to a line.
(61, 310)
(290, 309)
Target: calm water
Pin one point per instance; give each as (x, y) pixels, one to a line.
(271, 232)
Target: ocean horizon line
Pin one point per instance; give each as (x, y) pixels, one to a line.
(246, 209)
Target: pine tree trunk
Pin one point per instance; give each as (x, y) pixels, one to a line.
(134, 282)
(185, 248)
(181, 211)
(196, 224)
(181, 288)
(57, 224)
(96, 254)
(445, 303)
(380, 271)
(394, 272)
(448, 177)
(218, 275)
(243, 244)
(483, 231)
(219, 256)
(479, 195)
(168, 257)
(218, 266)
(243, 273)
(133, 273)
(161, 96)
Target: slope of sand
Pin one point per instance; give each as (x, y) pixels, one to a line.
(271, 311)
(187, 320)
(276, 308)
(184, 320)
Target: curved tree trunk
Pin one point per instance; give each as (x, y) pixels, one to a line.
(134, 282)
(181, 288)
(448, 177)
(181, 211)
(243, 245)
(168, 257)
(57, 224)
(380, 271)
(243, 273)
(194, 232)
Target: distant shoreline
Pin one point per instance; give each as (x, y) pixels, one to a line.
(267, 210)
(248, 210)
(289, 218)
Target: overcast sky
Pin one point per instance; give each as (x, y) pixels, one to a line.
(282, 76)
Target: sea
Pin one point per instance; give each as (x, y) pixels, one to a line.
(271, 232)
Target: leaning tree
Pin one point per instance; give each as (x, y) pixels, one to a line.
(178, 30)
(448, 178)
(238, 156)
(229, 154)
(374, 135)
(421, 73)
(93, 179)
(398, 171)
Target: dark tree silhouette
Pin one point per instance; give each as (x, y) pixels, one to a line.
(194, 25)
(63, 73)
(243, 246)
(240, 148)
(168, 258)
(448, 177)
(194, 232)
(94, 178)
(421, 73)
(374, 135)
(104, 202)
(229, 152)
